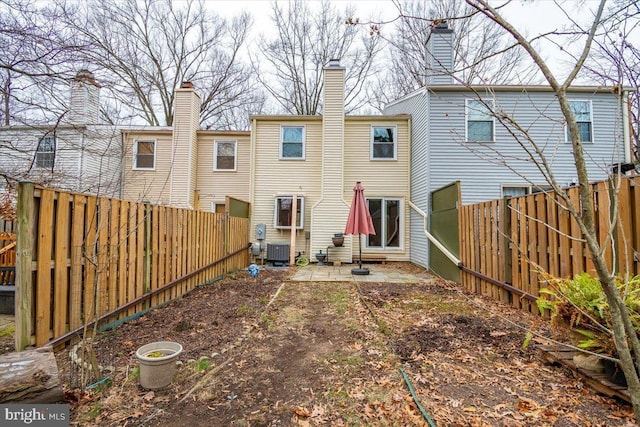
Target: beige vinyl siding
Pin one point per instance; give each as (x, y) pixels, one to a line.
(182, 183)
(273, 177)
(329, 215)
(214, 185)
(380, 179)
(150, 185)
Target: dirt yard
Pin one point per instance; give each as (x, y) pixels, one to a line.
(329, 354)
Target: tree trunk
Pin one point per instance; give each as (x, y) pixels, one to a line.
(30, 377)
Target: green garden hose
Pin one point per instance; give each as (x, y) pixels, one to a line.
(404, 374)
(415, 398)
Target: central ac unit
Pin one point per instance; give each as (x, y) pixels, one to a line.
(278, 253)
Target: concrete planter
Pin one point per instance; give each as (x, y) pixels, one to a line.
(157, 362)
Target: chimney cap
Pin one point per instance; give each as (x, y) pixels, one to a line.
(186, 85)
(441, 26)
(334, 63)
(87, 76)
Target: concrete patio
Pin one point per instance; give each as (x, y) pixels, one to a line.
(378, 273)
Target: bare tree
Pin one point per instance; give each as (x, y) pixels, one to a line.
(624, 334)
(144, 50)
(483, 51)
(616, 60)
(291, 62)
(37, 59)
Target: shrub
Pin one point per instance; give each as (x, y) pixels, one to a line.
(581, 305)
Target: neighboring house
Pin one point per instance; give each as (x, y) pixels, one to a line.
(456, 138)
(316, 158)
(319, 159)
(183, 165)
(76, 154)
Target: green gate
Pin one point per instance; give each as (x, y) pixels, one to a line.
(443, 226)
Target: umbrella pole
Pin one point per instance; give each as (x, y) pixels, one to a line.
(360, 271)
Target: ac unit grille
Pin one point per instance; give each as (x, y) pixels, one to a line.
(278, 253)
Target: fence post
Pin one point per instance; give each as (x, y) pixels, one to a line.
(505, 231)
(24, 278)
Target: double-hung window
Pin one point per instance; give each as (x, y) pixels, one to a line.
(283, 210)
(292, 142)
(46, 152)
(225, 156)
(480, 123)
(386, 215)
(582, 112)
(144, 156)
(383, 143)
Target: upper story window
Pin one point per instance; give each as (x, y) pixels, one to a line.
(292, 142)
(46, 152)
(582, 112)
(480, 122)
(225, 156)
(144, 156)
(283, 210)
(383, 143)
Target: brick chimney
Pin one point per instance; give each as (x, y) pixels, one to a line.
(186, 122)
(440, 55)
(84, 102)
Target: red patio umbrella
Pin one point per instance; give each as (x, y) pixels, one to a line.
(359, 222)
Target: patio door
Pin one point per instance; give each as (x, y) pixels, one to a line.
(387, 220)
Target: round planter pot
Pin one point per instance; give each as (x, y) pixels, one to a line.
(338, 241)
(157, 372)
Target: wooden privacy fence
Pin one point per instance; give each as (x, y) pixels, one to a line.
(85, 258)
(508, 242)
(7, 243)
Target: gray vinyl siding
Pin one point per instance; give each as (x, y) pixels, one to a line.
(478, 166)
(100, 163)
(80, 154)
(440, 155)
(417, 105)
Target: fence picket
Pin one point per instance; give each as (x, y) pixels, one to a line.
(43, 282)
(526, 236)
(61, 266)
(95, 258)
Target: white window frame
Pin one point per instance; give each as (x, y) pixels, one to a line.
(491, 103)
(214, 205)
(567, 137)
(384, 247)
(394, 142)
(235, 155)
(304, 137)
(529, 188)
(37, 161)
(135, 154)
(299, 218)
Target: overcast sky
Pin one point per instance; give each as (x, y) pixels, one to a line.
(530, 17)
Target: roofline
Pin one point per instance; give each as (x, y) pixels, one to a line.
(319, 118)
(47, 127)
(281, 118)
(521, 88)
(169, 130)
(410, 95)
(505, 88)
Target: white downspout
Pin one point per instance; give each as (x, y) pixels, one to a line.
(626, 138)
